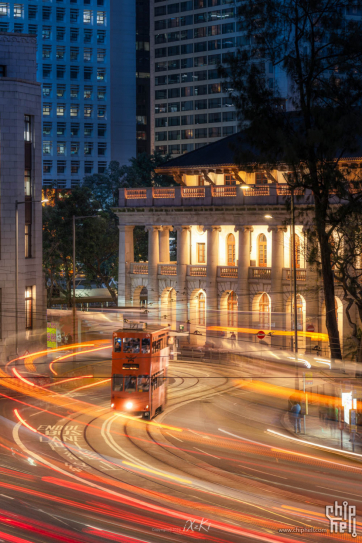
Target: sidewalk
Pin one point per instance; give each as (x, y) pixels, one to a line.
(322, 433)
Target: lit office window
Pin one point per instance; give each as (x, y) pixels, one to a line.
(61, 148)
(87, 16)
(47, 147)
(4, 9)
(101, 17)
(29, 308)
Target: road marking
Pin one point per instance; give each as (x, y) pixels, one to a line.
(265, 473)
(205, 437)
(174, 437)
(207, 453)
(314, 444)
(244, 438)
(350, 493)
(5, 496)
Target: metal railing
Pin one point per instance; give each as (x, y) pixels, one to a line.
(140, 268)
(167, 269)
(163, 193)
(223, 191)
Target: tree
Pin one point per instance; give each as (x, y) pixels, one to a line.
(96, 243)
(311, 120)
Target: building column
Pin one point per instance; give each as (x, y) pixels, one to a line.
(243, 275)
(153, 261)
(165, 244)
(311, 292)
(211, 274)
(183, 260)
(126, 257)
(277, 294)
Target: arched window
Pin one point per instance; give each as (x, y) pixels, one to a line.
(262, 251)
(201, 308)
(264, 310)
(297, 250)
(232, 309)
(230, 243)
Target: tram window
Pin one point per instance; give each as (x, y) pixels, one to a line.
(117, 383)
(131, 345)
(130, 383)
(146, 345)
(158, 345)
(143, 383)
(117, 344)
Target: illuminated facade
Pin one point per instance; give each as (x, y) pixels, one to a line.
(233, 252)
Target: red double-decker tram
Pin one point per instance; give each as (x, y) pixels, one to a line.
(139, 369)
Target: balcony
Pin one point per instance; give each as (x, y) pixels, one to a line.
(196, 271)
(227, 272)
(259, 273)
(301, 274)
(271, 194)
(139, 268)
(167, 269)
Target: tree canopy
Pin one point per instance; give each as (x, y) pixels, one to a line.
(297, 86)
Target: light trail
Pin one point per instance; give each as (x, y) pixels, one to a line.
(324, 447)
(91, 385)
(17, 374)
(75, 354)
(23, 422)
(48, 351)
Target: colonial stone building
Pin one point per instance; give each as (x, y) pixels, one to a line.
(233, 252)
(22, 306)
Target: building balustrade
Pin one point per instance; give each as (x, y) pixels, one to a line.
(254, 190)
(167, 269)
(301, 274)
(193, 192)
(167, 192)
(228, 271)
(183, 196)
(196, 271)
(140, 268)
(259, 273)
(135, 194)
(223, 191)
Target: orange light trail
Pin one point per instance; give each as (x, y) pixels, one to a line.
(74, 354)
(20, 419)
(91, 385)
(17, 374)
(67, 380)
(315, 336)
(38, 353)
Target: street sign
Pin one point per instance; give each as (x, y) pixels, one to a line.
(310, 327)
(260, 335)
(308, 379)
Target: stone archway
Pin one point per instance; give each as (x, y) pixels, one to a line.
(168, 306)
(140, 296)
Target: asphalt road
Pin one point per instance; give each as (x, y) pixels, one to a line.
(207, 468)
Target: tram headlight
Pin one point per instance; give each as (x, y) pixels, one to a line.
(146, 406)
(129, 405)
(112, 404)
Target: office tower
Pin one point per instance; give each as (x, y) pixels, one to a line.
(22, 297)
(86, 63)
(143, 75)
(188, 41)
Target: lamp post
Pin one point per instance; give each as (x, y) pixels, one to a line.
(73, 297)
(17, 203)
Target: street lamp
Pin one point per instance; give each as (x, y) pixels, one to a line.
(73, 298)
(17, 203)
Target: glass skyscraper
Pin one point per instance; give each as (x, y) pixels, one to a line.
(86, 62)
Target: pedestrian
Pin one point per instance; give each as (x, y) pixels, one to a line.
(296, 410)
(233, 339)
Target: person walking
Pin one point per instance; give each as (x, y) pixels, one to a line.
(296, 410)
